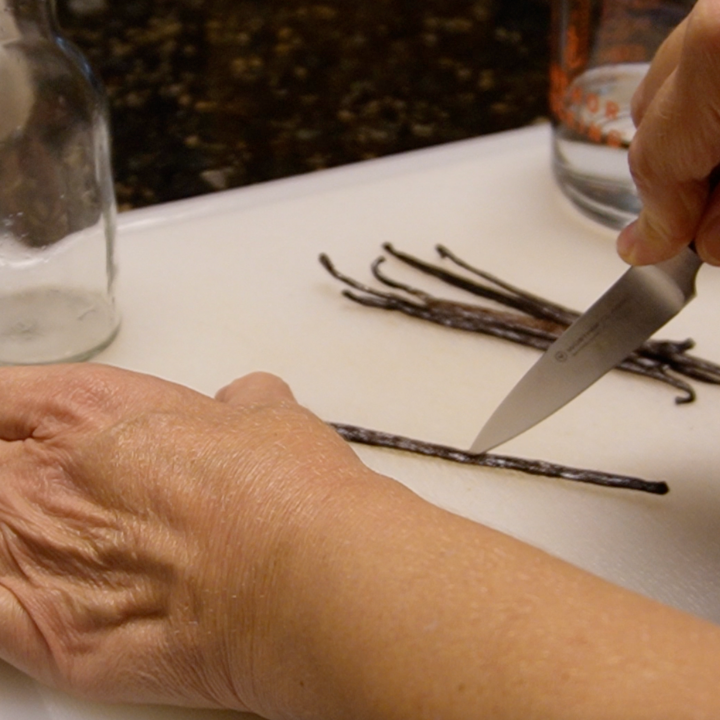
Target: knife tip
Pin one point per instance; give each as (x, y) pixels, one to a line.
(482, 444)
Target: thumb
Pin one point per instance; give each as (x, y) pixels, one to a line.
(258, 388)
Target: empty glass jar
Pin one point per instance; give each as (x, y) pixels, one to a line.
(57, 204)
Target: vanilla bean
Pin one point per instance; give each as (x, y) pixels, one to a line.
(473, 318)
(541, 306)
(670, 353)
(532, 321)
(545, 327)
(659, 373)
(529, 331)
(508, 295)
(675, 355)
(376, 438)
(480, 320)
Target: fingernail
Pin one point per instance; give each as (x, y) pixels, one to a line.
(627, 242)
(641, 242)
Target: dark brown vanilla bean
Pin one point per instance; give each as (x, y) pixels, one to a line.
(355, 434)
(670, 353)
(502, 292)
(529, 320)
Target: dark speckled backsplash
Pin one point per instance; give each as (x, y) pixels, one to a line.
(210, 95)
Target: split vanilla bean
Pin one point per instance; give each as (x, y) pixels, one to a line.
(529, 319)
(375, 438)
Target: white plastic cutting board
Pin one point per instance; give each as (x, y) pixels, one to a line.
(216, 287)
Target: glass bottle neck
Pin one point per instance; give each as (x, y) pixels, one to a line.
(22, 18)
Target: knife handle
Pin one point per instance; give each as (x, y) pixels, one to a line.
(682, 269)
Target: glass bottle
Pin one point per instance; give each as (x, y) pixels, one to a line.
(57, 203)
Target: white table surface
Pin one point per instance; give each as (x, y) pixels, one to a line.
(215, 287)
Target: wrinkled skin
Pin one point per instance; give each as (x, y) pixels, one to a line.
(120, 495)
(160, 546)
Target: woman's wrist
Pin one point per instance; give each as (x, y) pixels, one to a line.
(310, 533)
(322, 564)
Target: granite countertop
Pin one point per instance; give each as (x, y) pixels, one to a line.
(207, 95)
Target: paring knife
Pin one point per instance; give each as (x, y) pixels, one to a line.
(637, 305)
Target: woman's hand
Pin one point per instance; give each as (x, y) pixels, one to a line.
(677, 145)
(145, 530)
(160, 546)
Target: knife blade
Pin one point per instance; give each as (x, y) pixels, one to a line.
(639, 303)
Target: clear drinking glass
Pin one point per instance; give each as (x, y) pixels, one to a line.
(57, 203)
(601, 51)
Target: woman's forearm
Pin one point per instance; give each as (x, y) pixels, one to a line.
(406, 611)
